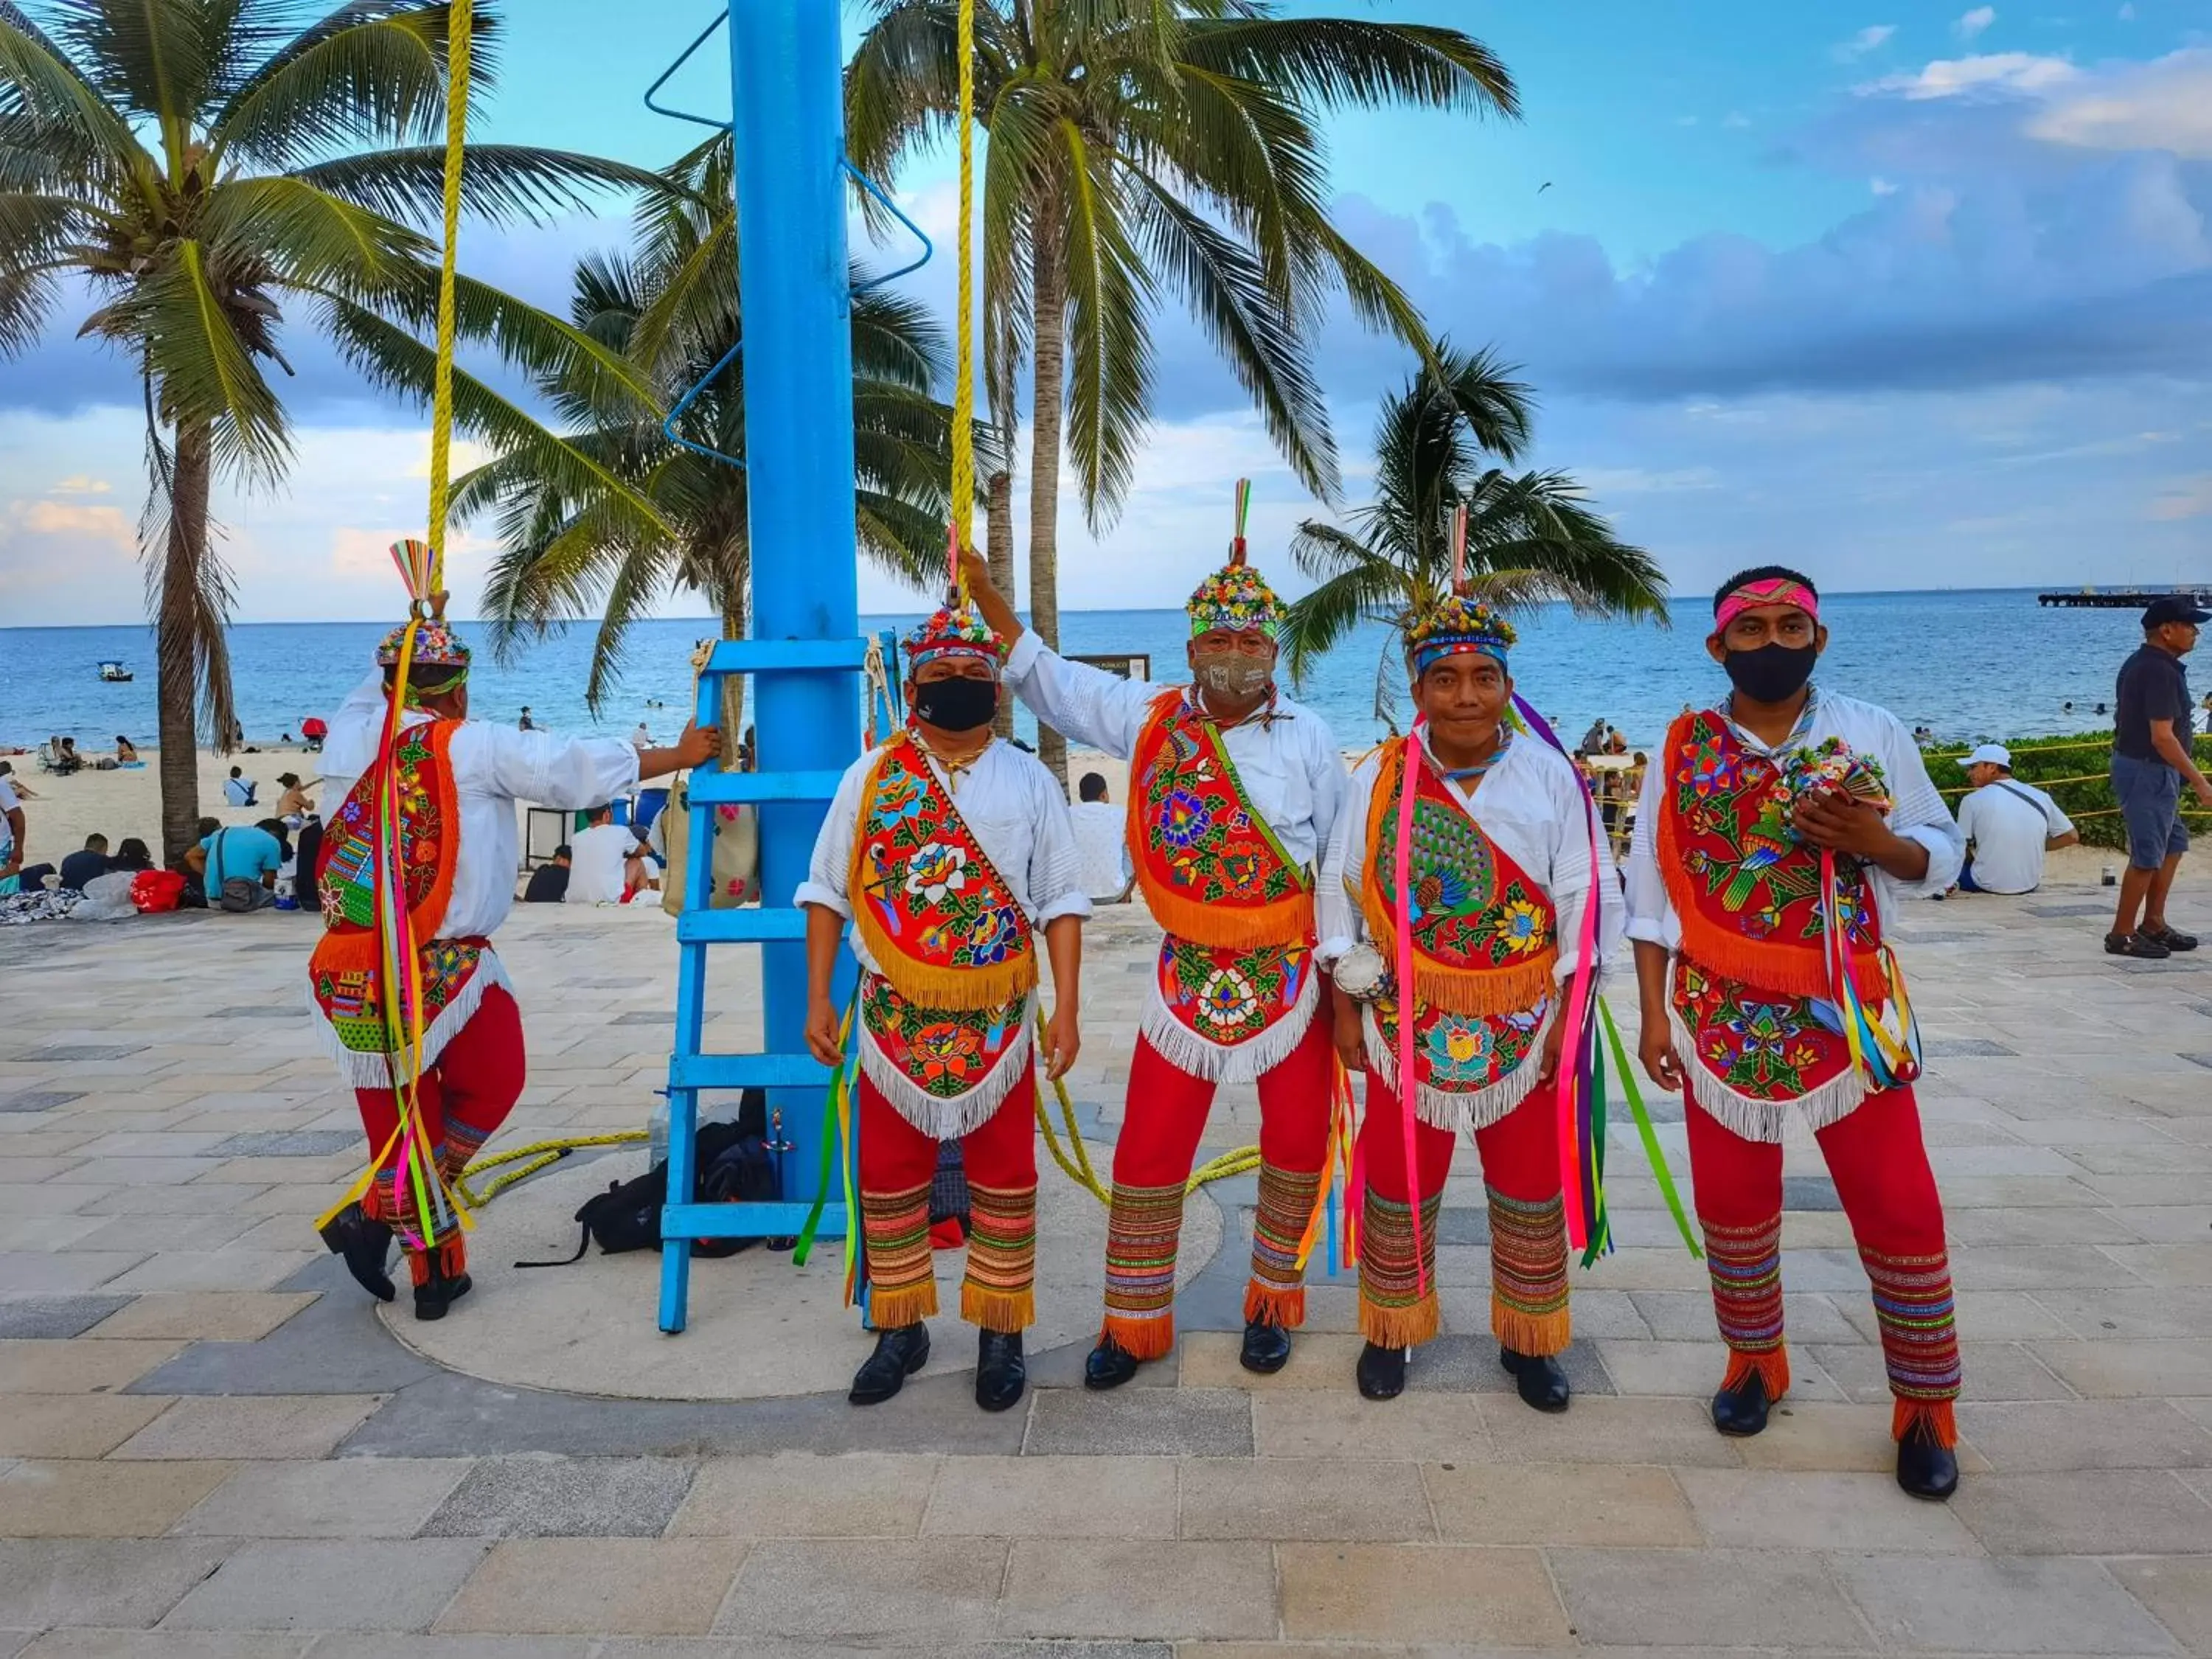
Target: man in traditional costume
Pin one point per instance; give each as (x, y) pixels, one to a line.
(1777, 834)
(450, 786)
(1502, 857)
(1234, 791)
(950, 852)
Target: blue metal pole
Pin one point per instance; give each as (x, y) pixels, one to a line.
(787, 100)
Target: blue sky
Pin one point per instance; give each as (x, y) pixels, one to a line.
(1917, 295)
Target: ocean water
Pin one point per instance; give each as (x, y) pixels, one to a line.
(1971, 663)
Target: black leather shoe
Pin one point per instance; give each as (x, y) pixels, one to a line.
(1741, 1412)
(1109, 1365)
(439, 1293)
(1381, 1372)
(2167, 937)
(365, 1245)
(1001, 1373)
(1266, 1348)
(1543, 1384)
(900, 1352)
(1924, 1468)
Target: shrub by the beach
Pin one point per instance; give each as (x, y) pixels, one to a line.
(2073, 770)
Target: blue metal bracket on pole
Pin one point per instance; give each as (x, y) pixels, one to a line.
(669, 73)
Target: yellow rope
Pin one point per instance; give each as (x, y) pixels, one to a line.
(540, 1154)
(964, 371)
(442, 396)
(1074, 1160)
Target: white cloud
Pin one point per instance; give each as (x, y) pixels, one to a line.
(2163, 104)
(1985, 73)
(2183, 498)
(1975, 21)
(1881, 186)
(1735, 118)
(78, 485)
(1864, 41)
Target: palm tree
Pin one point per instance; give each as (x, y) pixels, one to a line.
(1145, 152)
(1531, 536)
(671, 306)
(202, 166)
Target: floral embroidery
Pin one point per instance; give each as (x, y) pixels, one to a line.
(1228, 995)
(935, 870)
(1761, 1045)
(1196, 840)
(944, 1051)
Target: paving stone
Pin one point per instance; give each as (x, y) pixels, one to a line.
(73, 1425)
(286, 1142)
(54, 1054)
(354, 1583)
(1317, 1498)
(927, 1593)
(1057, 1588)
(80, 1499)
(1816, 1193)
(105, 1582)
(268, 1427)
(1413, 1428)
(1704, 1599)
(803, 1495)
(1962, 1047)
(1842, 1439)
(1318, 1360)
(38, 1100)
(597, 1586)
(2003, 1605)
(1558, 1504)
(1638, 1431)
(2143, 1314)
(332, 1345)
(1691, 1370)
(2178, 1589)
(203, 1315)
(1994, 1371)
(433, 1646)
(226, 1269)
(54, 1317)
(2126, 1370)
(1141, 1423)
(1419, 1593)
(1043, 1497)
(564, 1497)
(2086, 1434)
(1467, 1363)
(2086, 1512)
(1800, 1510)
(32, 1366)
(353, 1497)
(50, 1273)
(163, 1645)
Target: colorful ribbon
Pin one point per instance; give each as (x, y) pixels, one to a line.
(1883, 1060)
(1408, 1080)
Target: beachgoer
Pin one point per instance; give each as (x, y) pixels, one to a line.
(458, 781)
(1102, 842)
(12, 840)
(2008, 826)
(1234, 794)
(548, 882)
(133, 855)
(88, 863)
(238, 788)
(245, 852)
(293, 805)
(127, 752)
(950, 852)
(1593, 740)
(599, 858)
(525, 724)
(641, 736)
(2152, 759)
(1501, 820)
(1727, 908)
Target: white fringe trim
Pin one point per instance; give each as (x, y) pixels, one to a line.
(1763, 1120)
(1478, 1108)
(1240, 1062)
(963, 1114)
(363, 1071)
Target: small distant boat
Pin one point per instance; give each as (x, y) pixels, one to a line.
(114, 673)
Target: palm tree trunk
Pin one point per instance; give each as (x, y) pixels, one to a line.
(1049, 338)
(733, 686)
(999, 554)
(176, 641)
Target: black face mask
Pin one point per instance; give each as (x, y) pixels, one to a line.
(1771, 673)
(957, 705)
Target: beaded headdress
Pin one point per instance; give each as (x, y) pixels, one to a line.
(1453, 625)
(953, 629)
(436, 646)
(1235, 597)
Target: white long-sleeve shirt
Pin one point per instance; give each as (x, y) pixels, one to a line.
(493, 767)
(1531, 805)
(1009, 804)
(1290, 766)
(1916, 813)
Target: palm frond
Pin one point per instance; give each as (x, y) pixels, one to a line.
(1339, 62)
(371, 72)
(505, 184)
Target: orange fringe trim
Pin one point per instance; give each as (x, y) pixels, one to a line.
(1226, 927)
(909, 1304)
(997, 1311)
(452, 1257)
(361, 951)
(930, 985)
(1939, 1416)
(1285, 1308)
(1792, 968)
(1141, 1339)
(1539, 1336)
(1399, 1328)
(1774, 1367)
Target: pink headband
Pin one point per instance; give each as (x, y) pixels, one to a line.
(1772, 590)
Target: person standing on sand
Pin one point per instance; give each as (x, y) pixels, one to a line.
(1234, 793)
(950, 853)
(11, 833)
(2152, 757)
(457, 783)
(1730, 907)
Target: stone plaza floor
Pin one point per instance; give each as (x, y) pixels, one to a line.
(213, 1447)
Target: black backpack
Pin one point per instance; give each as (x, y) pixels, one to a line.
(734, 1165)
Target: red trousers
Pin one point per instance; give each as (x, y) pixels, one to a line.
(1528, 1225)
(1161, 1120)
(897, 1161)
(1880, 1165)
(464, 1099)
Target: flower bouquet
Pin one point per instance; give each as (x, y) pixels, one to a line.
(1832, 766)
